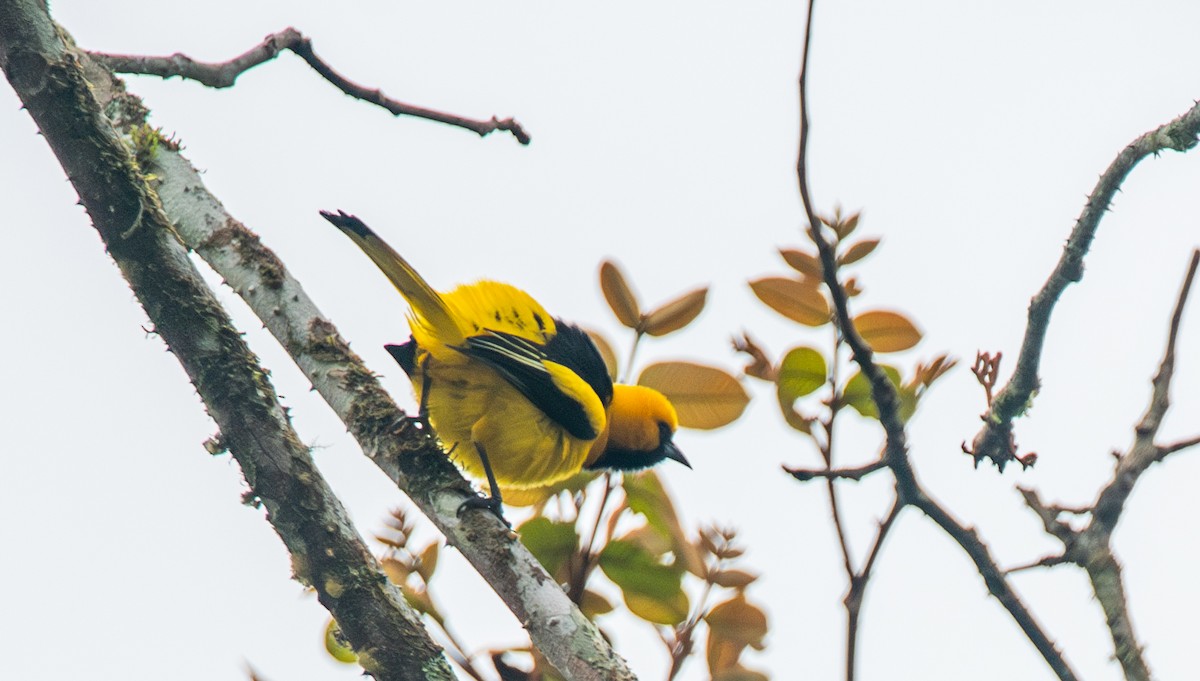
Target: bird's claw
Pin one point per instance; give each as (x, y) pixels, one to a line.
(492, 504)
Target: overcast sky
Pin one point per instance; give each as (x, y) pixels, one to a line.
(664, 137)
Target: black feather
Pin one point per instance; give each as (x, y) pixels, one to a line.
(520, 362)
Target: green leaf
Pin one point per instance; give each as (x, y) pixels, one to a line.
(551, 542)
(857, 393)
(802, 371)
(652, 590)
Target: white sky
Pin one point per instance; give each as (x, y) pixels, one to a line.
(664, 136)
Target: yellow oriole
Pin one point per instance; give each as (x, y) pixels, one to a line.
(497, 375)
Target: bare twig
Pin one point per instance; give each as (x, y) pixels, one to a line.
(225, 74)
(992, 441)
(1145, 452)
(855, 474)
(1166, 450)
(1047, 561)
(858, 588)
(327, 552)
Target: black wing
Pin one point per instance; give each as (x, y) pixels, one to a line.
(521, 363)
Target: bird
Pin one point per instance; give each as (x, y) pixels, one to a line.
(519, 398)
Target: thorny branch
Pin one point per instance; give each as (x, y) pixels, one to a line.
(855, 474)
(1091, 547)
(225, 74)
(994, 440)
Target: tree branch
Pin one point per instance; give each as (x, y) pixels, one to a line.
(883, 393)
(414, 461)
(225, 74)
(994, 441)
(1144, 451)
(327, 552)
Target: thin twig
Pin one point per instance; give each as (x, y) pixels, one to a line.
(855, 474)
(1047, 561)
(993, 441)
(1166, 450)
(225, 74)
(858, 588)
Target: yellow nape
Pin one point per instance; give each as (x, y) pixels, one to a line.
(634, 416)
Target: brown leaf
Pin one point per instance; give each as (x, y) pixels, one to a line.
(738, 621)
(427, 562)
(845, 226)
(395, 570)
(733, 579)
(676, 314)
(799, 301)
(887, 331)
(620, 297)
(739, 673)
(759, 367)
(803, 262)
(606, 352)
(704, 397)
(857, 251)
(722, 654)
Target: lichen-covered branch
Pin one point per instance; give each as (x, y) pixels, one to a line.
(327, 552)
(994, 440)
(403, 452)
(225, 74)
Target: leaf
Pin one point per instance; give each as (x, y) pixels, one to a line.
(336, 644)
(651, 590)
(799, 301)
(721, 654)
(551, 542)
(737, 621)
(427, 562)
(395, 570)
(760, 367)
(620, 297)
(645, 495)
(594, 604)
(676, 314)
(704, 397)
(857, 394)
(803, 262)
(606, 352)
(857, 251)
(733, 579)
(667, 610)
(887, 331)
(926, 374)
(801, 372)
(739, 673)
(844, 227)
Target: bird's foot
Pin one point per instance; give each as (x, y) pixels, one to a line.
(492, 504)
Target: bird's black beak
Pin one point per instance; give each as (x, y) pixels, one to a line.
(670, 451)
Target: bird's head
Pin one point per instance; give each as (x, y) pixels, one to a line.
(641, 425)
